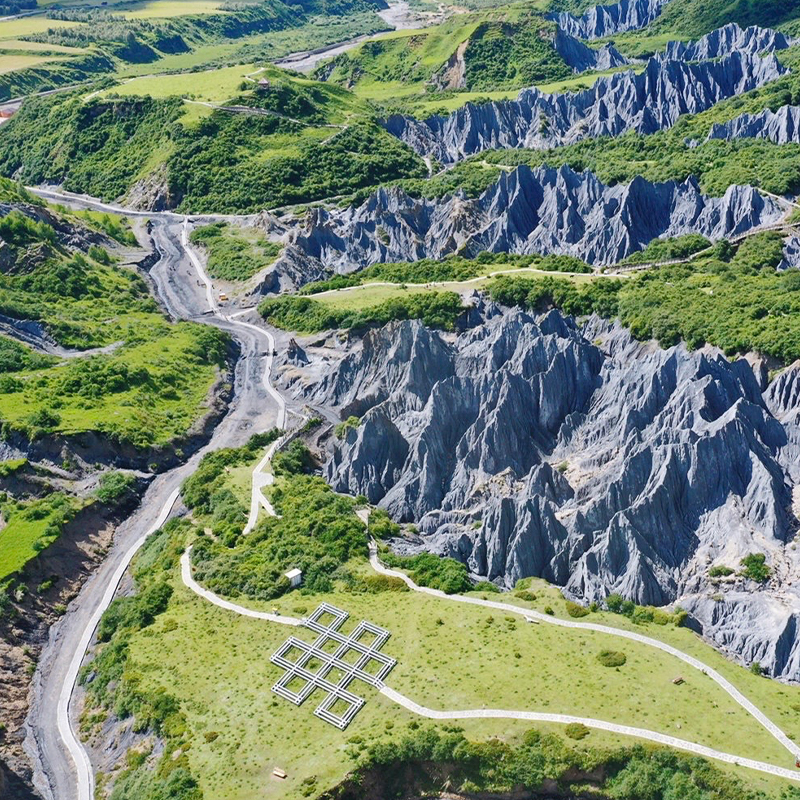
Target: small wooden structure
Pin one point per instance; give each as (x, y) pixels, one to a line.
(295, 577)
(279, 773)
(678, 681)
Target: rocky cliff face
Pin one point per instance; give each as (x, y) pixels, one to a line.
(781, 126)
(541, 210)
(581, 58)
(532, 447)
(645, 103)
(791, 253)
(600, 21)
(726, 40)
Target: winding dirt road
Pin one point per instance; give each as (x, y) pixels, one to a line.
(62, 767)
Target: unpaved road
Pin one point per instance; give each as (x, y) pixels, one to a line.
(253, 409)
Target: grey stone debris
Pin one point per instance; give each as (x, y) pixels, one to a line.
(647, 102)
(542, 210)
(780, 127)
(530, 446)
(600, 21)
(581, 57)
(726, 40)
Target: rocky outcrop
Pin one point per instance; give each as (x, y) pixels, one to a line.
(531, 447)
(780, 127)
(752, 628)
(791, 253)
(600, 21)
(726, 40)
(542, 210)
(581, 58)
(647, 102)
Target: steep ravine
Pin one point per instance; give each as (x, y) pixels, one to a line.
(531, 447)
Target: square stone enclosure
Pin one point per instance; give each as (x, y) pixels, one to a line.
(331, 663)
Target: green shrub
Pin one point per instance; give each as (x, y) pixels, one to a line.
(720, 571)
(342, 429)
(617, 604)
(296, 459)
(576, 610)
(381, 525)
(486, 586)
(435, 572)
(611, 658)
(755, 568)
(526, 595)
(115, 486)
(576, 730)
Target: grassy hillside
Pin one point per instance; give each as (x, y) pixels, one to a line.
(230, 740)
(62, 274)
(691, 19)
(302, 140)
(234, 254)
(495, 51)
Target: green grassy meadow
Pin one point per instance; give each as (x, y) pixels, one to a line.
(165, 9)
(450, 656)
(214, 85)
(29, 527)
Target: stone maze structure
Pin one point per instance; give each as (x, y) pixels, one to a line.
(331, 663)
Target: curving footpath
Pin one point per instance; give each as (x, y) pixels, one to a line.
(492, 713)
(724, 683)
(191, 583)
(566, 719)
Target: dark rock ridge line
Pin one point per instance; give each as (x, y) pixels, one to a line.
(726, 40)
(647, 102)
(780, 127)
(528, 446)
(542, 210)
(600, 21)
(581, 58)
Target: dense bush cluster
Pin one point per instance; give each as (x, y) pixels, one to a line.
(617, 604)
(639, 772)
(734, 299)
(503, 55)
(435, 309)
(317, 531)
(446, 574)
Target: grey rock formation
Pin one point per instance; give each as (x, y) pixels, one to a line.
(753, 628)
(791, 253)
(726, 40)
(531, 447)
(600, 21)
(780, 127)
(542, 210)
(581, 57)
(645, 103)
